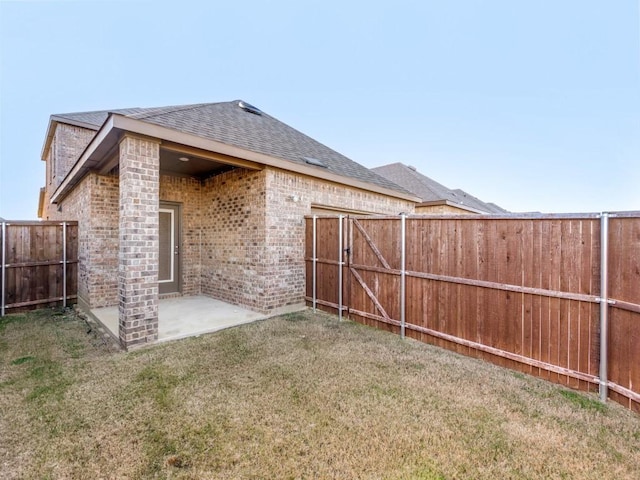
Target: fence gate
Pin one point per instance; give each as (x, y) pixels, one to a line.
(376, 272)
(352, 274)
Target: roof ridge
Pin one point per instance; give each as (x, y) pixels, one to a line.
(155, 111)
(466, 194)
(473, 199)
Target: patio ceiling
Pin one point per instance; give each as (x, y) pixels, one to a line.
(189, 165)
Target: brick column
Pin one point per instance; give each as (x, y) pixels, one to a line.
(138, 259)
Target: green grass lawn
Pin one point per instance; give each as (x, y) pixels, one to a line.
(298, 396)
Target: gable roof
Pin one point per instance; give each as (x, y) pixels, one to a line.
(230, 124)
(431, 191)
(92, 120)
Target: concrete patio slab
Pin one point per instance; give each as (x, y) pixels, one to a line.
(182, 317)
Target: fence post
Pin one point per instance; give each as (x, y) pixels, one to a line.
(403, 278)
(314, 262)
(4, 261)
(340, 264)
(604, 305)
(64, 264)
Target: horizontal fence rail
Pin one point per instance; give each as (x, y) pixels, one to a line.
(39, 264)
(527, 292)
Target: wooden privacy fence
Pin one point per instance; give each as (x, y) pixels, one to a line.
(39, 264)
(556, 296)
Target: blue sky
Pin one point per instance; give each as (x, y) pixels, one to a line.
(531, 104)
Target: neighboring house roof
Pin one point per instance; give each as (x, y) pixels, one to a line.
(431, 191)
(231, 124)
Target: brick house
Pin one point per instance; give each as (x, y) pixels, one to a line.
(203, 199)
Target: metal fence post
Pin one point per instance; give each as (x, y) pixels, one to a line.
(314, 261)
(4, 261)
(403, 277)
(604, 305)
(64, 264)
(340, 264)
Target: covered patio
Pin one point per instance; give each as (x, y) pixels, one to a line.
(182, 317)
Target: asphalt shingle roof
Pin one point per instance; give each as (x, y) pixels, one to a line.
(227, 123)
(429, 190)
(96, 118)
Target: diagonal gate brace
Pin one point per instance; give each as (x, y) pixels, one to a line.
(369, 293)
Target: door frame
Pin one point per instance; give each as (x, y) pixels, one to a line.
(175, 209)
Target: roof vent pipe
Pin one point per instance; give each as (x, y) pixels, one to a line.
(247, 107)
(314, 161)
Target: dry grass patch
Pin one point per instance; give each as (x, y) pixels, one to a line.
(299, 396)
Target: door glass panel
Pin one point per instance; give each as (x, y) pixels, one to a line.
(165, 262)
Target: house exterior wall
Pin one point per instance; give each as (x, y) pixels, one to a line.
(289, 199)
(103, 239)
(93, 203)
(253, 233)
(442, 210)
(233, 238)
(68, 143)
